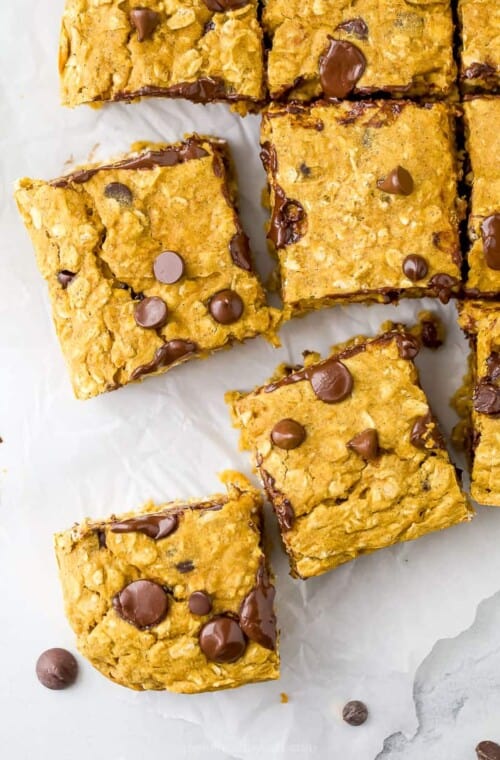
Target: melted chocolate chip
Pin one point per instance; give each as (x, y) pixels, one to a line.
(288, 434)
(365, 444)
(430, 335)
(398, 182)
(493, 364)
(170, 352)
(490, 231)
(425, 433)
(486, 398)
(257, 618)
(222, 640)
(56, 669)
(479, 71)
(223, 6)
(141, 603)
(200, 603)
(408, 345)
(355, 713)
(355, 26)
(119, 193)
(288, 220)
(488, 751)
(203, 90)
(168, 267)
(269, 158)
(145, 22)
(65, 278)
(209, 27)
(226, 307)
(186, 566)
(240, 251)
(340, 68)
(415, 267)
(442, 284)
(331, 381)
(151, 313)
(281, 505)
(153, 526)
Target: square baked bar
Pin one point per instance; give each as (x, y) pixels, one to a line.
(364, 202)
(479, 433)
(202, 50)
(338, 48)
(177, 596)
(146, 262)
(350, 453)
(480, 55)
(482, 121)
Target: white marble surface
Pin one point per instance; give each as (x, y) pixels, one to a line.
(413, 631)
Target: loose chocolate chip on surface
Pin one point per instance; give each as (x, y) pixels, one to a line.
(415, 267)
(145, 22)
(200, 603)
(356, 26)
(65, 277)
(151, 312)
(153, 526)
(288, 434)
(493, 364)
(488, 751)
(226, 307)
(222, 6)
(240, 251)
(168, 267)
(331, 381)
(141, 603)
(398, 182)
(490, 231)
(222, 640)
(430, 335)
(257, 618)
(119, 192)
(355, 713)
(56, 669)
(365, 444)
(186, 566)
(486, 398)
(340, 68)
(408, 345)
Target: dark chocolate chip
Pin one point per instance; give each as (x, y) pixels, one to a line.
(65, 277)
(200, 603)
(167, 354)
(141, 603)
(486, 398)
(490, 231)
(442, 284)
(493, 364)
(168, 267)
(331, 381)
(145, 22)
(101, 537)
(355, 26)
(425, 433)
(288, 434)
(488, 751)
(430, 335)
(365, 444)
(408, 345)
(226, 307)
(304, 169)
(222, 640)
(56, 669)
(355, 713)
(257, 618)
(209, 27)
(119, 193)
(340, 68)
(415, 267)
(398, 182)
(186, 566)
(240, 251)
(153, 526)
(223, 6)
(151, 312)
(282, 507)
(288, 220)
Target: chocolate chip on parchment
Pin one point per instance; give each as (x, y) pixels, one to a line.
(288, 434)
(200, 603)
(488, 751)
(65, 277)
(430, 335)
(355, 713)
(490, 231)
(397, 182)
(331, 381)
(340, 68)
(141, 603)
(145, 22)
(153, 526)
(226, 307)
(168, 267)
(56, 669)
(222, 640)
(119, 193)
(365, 444)
(415, 267)
(151, 312)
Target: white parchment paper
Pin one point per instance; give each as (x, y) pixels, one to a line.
(359, 632)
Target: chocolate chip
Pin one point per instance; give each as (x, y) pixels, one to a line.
(226, 307)
(145, 21)
(288, 434)
(222, 6)
(257, 618)
(222, 640)
(490, 231)
(153, 526)
(493, 364)
(415, 267)
(442, 284)
(200, 603)
(365, 444)
(304, 169)
(151, 312)
(488, 751)
(355, 713)
(101, 537)
(167, 354)
(119, 192)
(398, 182)
(56, 668)
(408, 345)
(141, 603)
(168, 267)
(65, 277)
(240, 251)
(186, 566)
(486, 398)
(355, 26)
(430, 335)
(331, 381)
(340, 68)
(425, 433)
(288, 220)
(209, 27)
